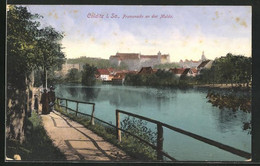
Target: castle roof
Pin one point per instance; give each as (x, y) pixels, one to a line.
(127, 55)
(123, 56)
(149, 56)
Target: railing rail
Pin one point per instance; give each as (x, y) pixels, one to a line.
(77, 107)
(227, 148)
(160, 125)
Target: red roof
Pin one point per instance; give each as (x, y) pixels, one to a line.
(177, 70)
(146, 70)
(103, 71)
(203, 64)
(111, 70)
(194, 70)
(119, 75)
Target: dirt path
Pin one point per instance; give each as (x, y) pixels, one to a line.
(79, 143)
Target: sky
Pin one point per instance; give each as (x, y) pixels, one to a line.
(184, 32)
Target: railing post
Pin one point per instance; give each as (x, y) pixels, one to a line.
(57, 102)
(118, 126)
(159, 141)
(66, 105)
(92, 115)
(77, 109)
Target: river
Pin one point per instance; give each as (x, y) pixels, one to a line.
(185, 109)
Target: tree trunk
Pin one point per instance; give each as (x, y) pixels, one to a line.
(16, 118)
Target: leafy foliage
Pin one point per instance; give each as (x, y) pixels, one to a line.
(73, 76)
(166, 66)
(229, 69)
(139, 128)
(21, 44)
(88, 75)
(29, 47)
(160, 78)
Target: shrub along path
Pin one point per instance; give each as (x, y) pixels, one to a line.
(79, 143)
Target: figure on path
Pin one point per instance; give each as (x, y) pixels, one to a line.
(45, 102)
(52, 98)
(36, 103)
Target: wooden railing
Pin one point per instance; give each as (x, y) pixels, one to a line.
(77, 107)
(160, 125)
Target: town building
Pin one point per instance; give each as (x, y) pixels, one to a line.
(205, 65)
(192, 63)
(190, 72)
(104, 74)
(135, 61)
(147, 70)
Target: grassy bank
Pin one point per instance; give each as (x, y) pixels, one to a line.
(132, 146)
(37, 147)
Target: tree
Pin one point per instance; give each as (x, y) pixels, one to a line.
(21, 45)
(49, 49)
(29, 48)
(21, 58)
(88, 75)
(228, 69)
(73, 75)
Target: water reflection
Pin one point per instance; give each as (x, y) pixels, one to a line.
(89, 94)
(122, 97)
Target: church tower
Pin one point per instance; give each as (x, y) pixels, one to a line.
(159, 56)
(203, 57)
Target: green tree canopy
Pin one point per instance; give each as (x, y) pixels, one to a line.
(228, 69)
(73, 75)
(30, 47)
(88, 75)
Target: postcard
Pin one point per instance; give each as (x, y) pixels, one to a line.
(128, 83)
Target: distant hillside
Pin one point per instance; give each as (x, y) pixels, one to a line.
(98, 62)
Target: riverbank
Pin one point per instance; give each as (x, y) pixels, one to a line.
(221, 86)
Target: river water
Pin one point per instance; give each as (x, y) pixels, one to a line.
(185, 109)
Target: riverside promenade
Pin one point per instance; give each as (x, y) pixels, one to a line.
(77, 142)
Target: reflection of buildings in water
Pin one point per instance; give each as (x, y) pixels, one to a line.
(119, 97)
(128, 98)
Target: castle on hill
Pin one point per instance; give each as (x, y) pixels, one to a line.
(135, 61)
